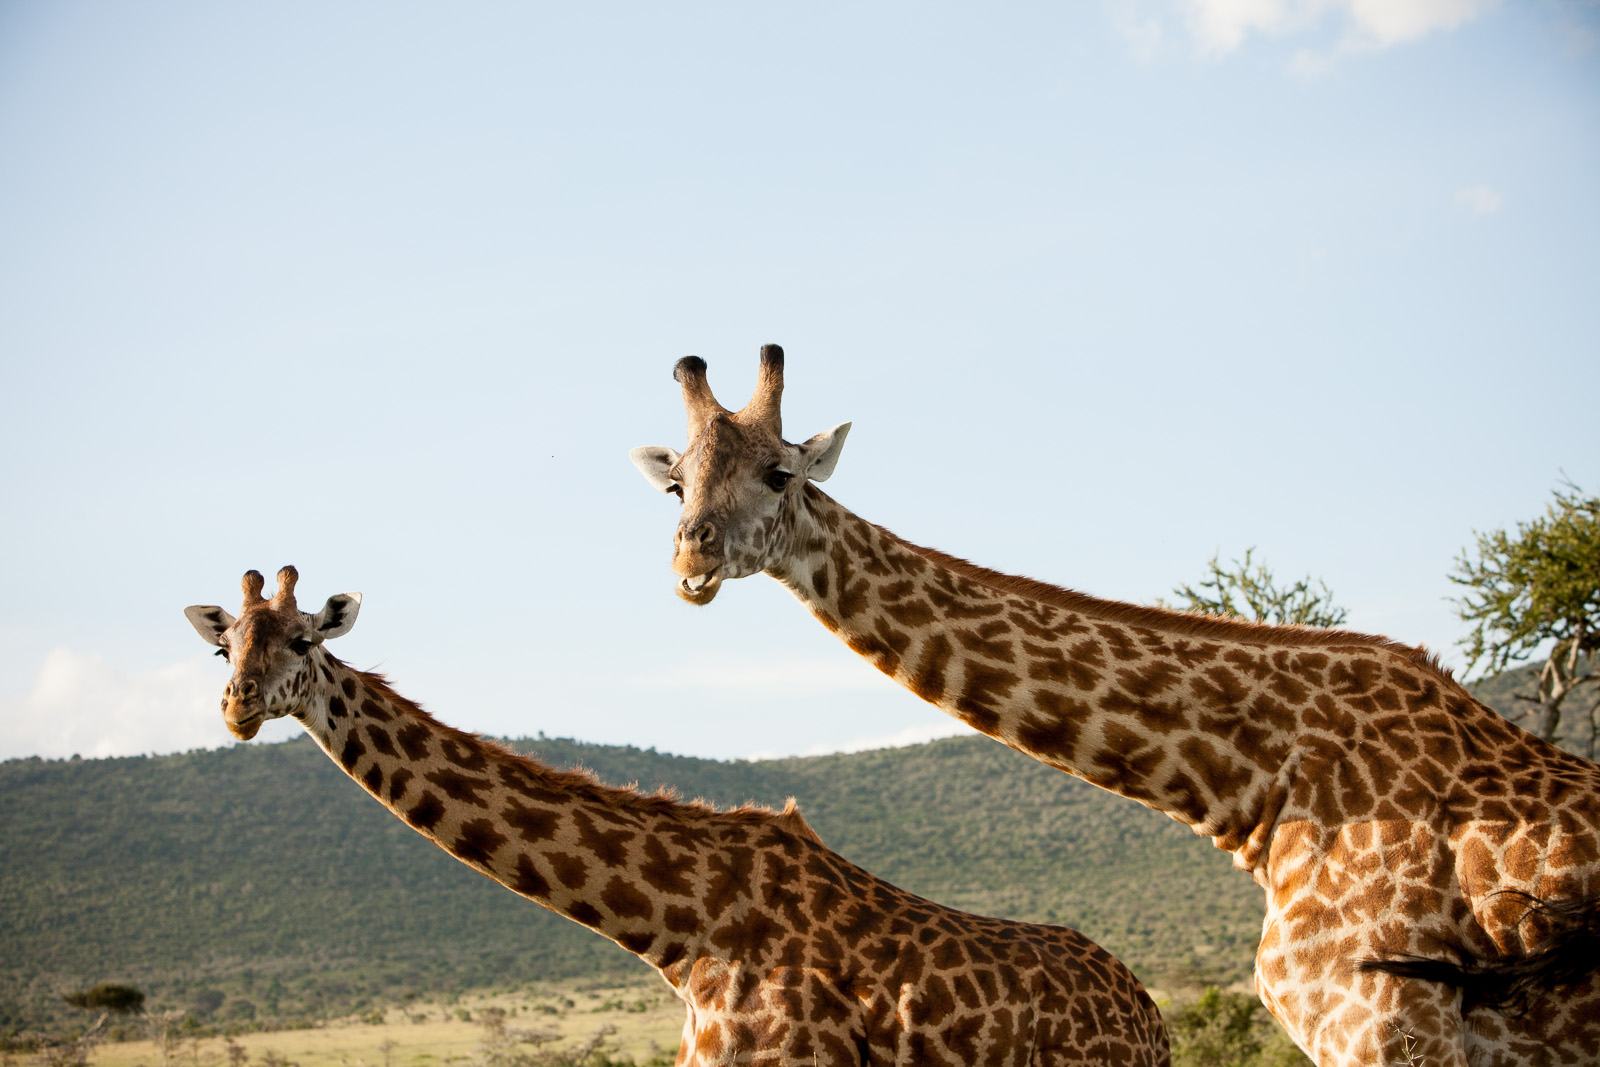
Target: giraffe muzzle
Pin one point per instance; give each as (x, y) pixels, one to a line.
(701, 589)
(245, 726)
(242, 709)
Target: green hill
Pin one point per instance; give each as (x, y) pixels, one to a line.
(261, 876)
(264, 874)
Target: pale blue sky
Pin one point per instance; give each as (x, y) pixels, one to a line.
(388, 291)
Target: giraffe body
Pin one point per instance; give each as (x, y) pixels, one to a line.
(1385, 812)
(782, 951)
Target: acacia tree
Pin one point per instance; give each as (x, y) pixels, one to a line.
(1247, 590)
(108, 998)
(1534, 589)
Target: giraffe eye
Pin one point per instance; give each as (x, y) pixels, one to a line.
(777, 480)
(676, 490)
(300, 646)
(221, 652)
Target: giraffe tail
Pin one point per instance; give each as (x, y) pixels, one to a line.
(1570, 953)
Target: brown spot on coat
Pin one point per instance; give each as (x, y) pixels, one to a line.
(638, 944)
(351, 753)
(460, 787)
(375, 710)
(478, 842)
(569, 869)
(664, 872)
(397, 785)
(607, 846)
(413, 739)
(983, 691)
(380, 740)
(626, 902)
(462, 753)
(928, 679)
(426, 812)
(1054, 732)
(531, 824)
(528, 881)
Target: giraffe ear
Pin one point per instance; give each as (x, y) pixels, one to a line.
(821, 453)
(654, 462)
(337, 615)
(209, 621)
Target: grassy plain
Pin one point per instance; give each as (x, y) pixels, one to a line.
(647, 1017)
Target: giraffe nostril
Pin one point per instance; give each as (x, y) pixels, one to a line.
(704, 534)
(247, 688)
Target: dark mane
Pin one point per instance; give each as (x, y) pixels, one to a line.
(1569, 953)
(1166, 620)
(580, 782)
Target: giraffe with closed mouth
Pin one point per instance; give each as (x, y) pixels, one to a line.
(782, 951)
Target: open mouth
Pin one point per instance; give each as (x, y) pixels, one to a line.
(700, 588)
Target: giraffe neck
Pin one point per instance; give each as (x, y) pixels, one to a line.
(1190, 718)
(655, 876)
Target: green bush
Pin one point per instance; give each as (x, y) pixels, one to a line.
(1230, 1030)
(108, 996)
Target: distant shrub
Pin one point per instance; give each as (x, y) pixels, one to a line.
(108, 996)
(1230, 1030)
(206, 1002)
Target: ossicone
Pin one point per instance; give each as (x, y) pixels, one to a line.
(287, 577)
(765, 406)
(690, 373)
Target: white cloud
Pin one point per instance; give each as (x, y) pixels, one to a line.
(1381, 23)
(1222, 26)
(1480, 200)
(791, 676)
(911, 735)
(81, 704)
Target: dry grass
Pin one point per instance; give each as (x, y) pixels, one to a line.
(647, 1016)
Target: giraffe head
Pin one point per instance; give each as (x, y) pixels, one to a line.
(739, 480)
(269, 646)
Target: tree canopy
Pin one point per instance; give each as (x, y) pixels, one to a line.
(1537, 589)
(1247, 590)
(108, 996)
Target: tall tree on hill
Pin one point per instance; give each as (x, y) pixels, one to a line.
(1538, 588)
(1247, 590)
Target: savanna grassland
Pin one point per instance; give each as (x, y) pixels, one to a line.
(634, 1020)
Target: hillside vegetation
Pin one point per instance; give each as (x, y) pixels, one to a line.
(264, 874)
(259, 882)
